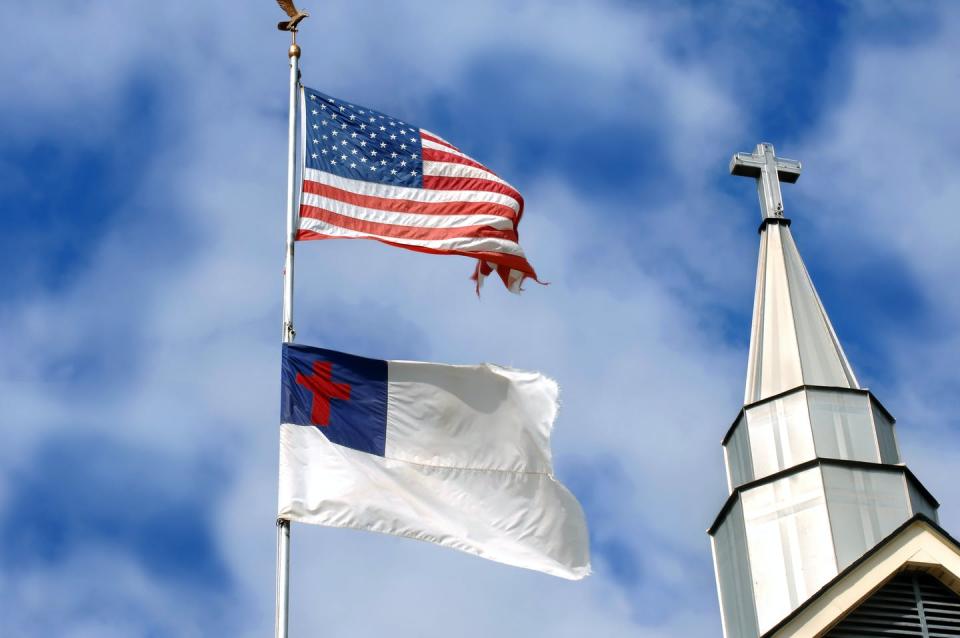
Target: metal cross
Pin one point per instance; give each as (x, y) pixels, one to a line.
(769, 170)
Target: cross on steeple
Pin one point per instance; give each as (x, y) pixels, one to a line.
(769, 170)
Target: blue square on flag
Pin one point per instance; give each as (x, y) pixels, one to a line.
(343, 395)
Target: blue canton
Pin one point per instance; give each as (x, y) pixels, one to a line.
(359, 143)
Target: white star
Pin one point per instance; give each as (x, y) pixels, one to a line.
(414, 173)
(403, 131)
(354, 134)
(363, 159)
(403, 147)
(363, 127)
(383, 145)
(323, 107)
(312, 96)
(373, 136)
(352, 116)
(333, 161)
(383, 128)
(363, 142)
(334, 133)
(413, 140)
(324, 151)
(353, 164)
(333, 116)
(383, 162)
(330, 99)
(373, 153)
(372, 167)
(393, 137)
(413, 156)
(354, 151)
(325, 137)
(342, 109)
(343, 142)
(372, 119)
(393, 155)
(343, 157)
(361, 112)
(403, 163)
(315, 112)
(315, 126)
(393, 171)
(316, 141)
(315, 156)
(344, 125)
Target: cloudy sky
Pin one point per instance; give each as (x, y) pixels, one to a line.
(142, 176)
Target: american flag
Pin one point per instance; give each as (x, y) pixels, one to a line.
(367, 175)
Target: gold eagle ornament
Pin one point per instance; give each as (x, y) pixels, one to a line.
(296, 15)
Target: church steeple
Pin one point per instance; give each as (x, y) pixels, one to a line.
(792, 342)
(813, 467)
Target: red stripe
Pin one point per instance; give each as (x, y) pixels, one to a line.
(512, 261)
(434, 138)
(404, 232)
(444, 183)
(407, 206)
(442, 156)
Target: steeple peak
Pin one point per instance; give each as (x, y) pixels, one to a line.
(792, 342)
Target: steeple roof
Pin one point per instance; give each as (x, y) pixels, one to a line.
(792, 342)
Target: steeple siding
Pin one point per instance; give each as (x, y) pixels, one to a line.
(792, 342)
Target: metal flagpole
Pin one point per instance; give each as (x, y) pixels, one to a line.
(283, 525)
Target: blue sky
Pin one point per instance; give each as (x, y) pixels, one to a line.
(142, 172)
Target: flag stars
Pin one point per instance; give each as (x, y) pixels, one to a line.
(352, 117)
(383, 145)
(354, 151)
(353, 164)
(363, 142)
(363, 127)
(344, 125)
(354, 134)
(315, 112)
(343, 157)
(315, 156)
(393, 137)
(334, 133)
(383, 128)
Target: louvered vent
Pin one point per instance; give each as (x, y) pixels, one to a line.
(913, 604)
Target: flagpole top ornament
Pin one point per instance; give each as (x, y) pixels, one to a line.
(769, 170)
(296, 17)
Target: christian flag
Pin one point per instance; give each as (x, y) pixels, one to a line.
(368, 175)
(454, 455)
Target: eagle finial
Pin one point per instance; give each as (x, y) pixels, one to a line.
(295, 16)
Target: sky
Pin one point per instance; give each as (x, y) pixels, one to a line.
(142, 189)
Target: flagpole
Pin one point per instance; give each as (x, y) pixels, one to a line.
(288, 334)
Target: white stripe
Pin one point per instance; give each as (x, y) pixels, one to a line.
(374, 189)
(405, 219)
(432, 134)
(466, 244)
(449, 169)
(446, 149)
